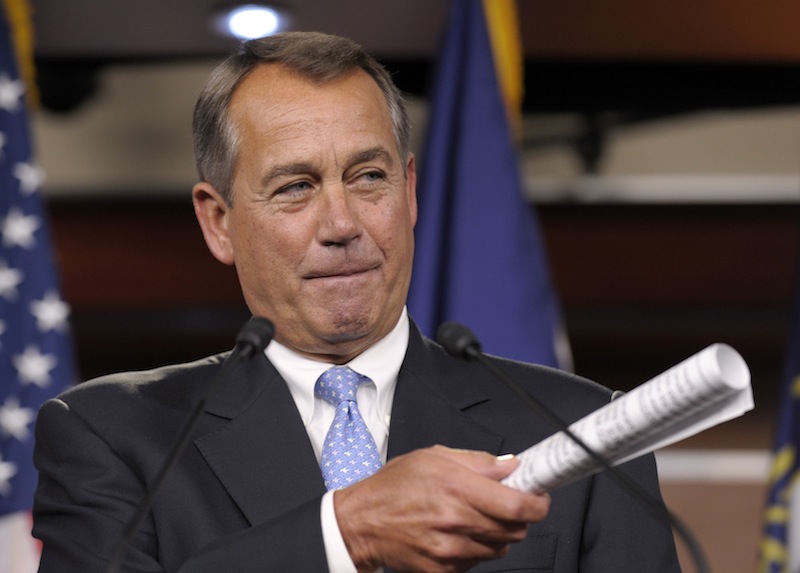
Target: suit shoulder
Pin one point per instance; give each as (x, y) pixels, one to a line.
(571, 395)
(165, 381)
(558, 379)
(121, 406)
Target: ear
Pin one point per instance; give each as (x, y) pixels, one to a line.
(213, 214)
(411, 187)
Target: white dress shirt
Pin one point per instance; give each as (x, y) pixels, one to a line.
(381, 363)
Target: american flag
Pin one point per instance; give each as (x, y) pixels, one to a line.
(35, 354)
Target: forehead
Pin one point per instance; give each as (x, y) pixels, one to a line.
(273, 95)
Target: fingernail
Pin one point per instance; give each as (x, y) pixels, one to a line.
(505, 458)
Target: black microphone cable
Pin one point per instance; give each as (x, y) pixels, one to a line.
(251, 339)
(459, 341)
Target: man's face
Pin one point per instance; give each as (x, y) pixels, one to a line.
(321, 227)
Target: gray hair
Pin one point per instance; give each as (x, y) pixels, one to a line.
(318, 57)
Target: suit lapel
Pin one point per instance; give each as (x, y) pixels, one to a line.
(432, 396)
(262, 456)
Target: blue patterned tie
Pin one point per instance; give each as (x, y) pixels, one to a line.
(349, 453)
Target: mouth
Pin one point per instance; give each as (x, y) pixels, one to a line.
(341, 273)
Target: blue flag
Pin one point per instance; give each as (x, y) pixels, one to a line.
(479, 257)
(35, 357)
(780, 545)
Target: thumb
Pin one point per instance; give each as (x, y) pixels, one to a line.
(484, 463)
(501, 466)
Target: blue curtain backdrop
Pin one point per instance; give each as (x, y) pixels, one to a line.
(479, 254)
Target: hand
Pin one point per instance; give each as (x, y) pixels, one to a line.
(435, 510)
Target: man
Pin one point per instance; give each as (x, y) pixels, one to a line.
(308, 188)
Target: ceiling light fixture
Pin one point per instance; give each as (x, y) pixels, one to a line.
(252, 21)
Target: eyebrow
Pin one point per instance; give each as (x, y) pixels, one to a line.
(371, 154)
(287, 169)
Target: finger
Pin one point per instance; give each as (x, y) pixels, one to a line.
(494, 467)
(458, 552)
(482, 524)
(505, 504)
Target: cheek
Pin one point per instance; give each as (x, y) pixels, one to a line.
(270, 253)
(401, 220)
(393, 233)
(257, 247)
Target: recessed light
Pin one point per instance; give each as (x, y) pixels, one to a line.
(252, 21)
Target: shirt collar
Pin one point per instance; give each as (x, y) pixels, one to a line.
(380, 362)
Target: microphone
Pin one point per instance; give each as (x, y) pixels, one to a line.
(459, 341)
(252, 338)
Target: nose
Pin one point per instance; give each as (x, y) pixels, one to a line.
(339, 220)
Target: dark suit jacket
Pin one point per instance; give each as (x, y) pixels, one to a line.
(245, 495)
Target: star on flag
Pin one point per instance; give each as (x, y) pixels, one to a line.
(9, 281)
(31, 176)
(15, 420)
(51, 313)
(34, 367)
(11, 92)
(18, 229)
(7, 471)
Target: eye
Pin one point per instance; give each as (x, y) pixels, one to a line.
(373, 175)
(370, 177)
(294, 188)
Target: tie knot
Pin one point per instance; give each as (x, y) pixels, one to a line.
(339, 384)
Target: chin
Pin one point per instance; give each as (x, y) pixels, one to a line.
(349, 328)
(348, 331)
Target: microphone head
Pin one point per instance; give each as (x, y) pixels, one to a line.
(458, 340)
(256, 333)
